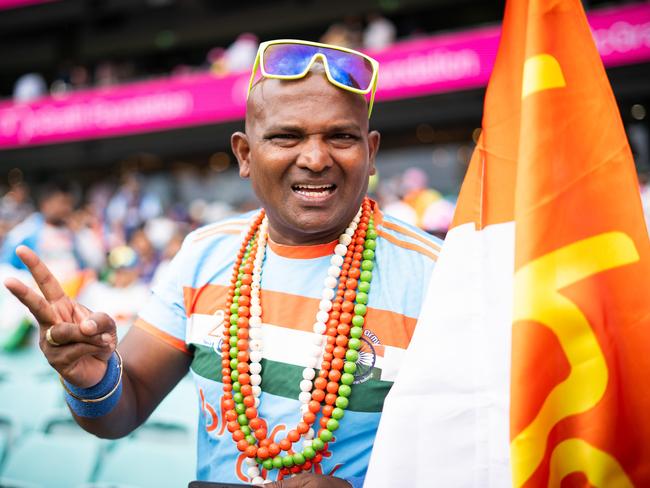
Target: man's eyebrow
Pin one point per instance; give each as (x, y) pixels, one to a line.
(284, 128)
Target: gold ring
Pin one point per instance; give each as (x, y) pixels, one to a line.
(48, 338)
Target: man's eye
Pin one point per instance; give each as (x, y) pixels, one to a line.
(283, 137)
(345, 136)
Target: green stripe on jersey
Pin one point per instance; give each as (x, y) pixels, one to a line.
(283, 379)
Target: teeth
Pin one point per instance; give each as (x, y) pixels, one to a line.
(313, 187)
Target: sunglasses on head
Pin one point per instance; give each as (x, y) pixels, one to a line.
(288, 59)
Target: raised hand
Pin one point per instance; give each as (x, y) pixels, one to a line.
(75, 341)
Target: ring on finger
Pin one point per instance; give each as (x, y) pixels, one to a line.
(49, 339)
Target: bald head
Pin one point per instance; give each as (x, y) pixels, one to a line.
(268, 93)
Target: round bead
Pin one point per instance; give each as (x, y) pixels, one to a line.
(336, 260)
(317, 444)
(250, 462)
(367, 265)
(255, 368)
(350, 367)
(256, 345)
(334, 271)
(344, 240)
(345, 390)
(349, 231)
(325, 435)
(308, 373)
(328, 293)
(357, 321)
(322, 316)
(255, 356)
(338, 413)
(371, 234)
(330, 282)
(256, 379)
(298, 459)
(255, 321)
(370, 243)
(267, 464)
(277, 462)
(309, 452)
(304, 396)
(362, 298)
(310, 434)
(332, 425)
(253, 471)
(363, 287)
(325, 306)
(305, 385)
(319, 328)
(317, 339)
(341, 249)
(256, 310)
(255, 333)
(354, 344)
(352, 355)
(342, 402)
(287, 461)
(347, 378)
(360, 309)
(258, 480)
(368, 254)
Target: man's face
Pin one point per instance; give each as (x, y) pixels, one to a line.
(57, 208)
(308, 153)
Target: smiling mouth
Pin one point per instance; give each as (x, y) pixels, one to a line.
(314, 192)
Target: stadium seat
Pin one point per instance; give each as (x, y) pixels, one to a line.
(180, 406)
(144, 464)
(26, 362)
(42, 460)
(26, 402)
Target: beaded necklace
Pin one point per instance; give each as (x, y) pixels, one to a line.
(337, 332)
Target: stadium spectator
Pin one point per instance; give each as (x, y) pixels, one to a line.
(15, 206)
(123, 293)
(379, 33)
(48, 233)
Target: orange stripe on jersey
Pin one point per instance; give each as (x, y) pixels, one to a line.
(303, 252)
(299, 313)
(410, 233)
(164, 336)
(407, 245)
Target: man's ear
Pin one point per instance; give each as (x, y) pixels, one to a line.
(242, 151)
(373, 146)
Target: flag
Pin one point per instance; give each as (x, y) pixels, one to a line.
(530, 364)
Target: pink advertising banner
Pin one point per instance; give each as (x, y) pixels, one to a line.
(425, 66)
(7, 4)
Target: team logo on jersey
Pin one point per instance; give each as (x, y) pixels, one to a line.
(367, 357)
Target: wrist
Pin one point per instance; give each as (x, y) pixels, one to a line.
(100, 399)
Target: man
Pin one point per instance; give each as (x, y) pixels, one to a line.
(48, 233)
(290, 285)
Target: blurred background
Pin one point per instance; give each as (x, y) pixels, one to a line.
(115, 118)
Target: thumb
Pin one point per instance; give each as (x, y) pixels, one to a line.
(101, 324)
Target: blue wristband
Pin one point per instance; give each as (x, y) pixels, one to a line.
(90, 402)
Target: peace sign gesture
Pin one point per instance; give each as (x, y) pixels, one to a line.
(76, 342)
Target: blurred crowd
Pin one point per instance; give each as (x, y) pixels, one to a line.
(108, 243)
(373, 33)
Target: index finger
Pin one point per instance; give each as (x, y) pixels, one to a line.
(45, 280)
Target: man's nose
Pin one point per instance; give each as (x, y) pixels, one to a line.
(315, 155)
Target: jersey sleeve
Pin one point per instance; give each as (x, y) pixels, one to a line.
(164, 314)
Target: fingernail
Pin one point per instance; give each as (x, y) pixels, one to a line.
(106, 338)
(90, 326)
